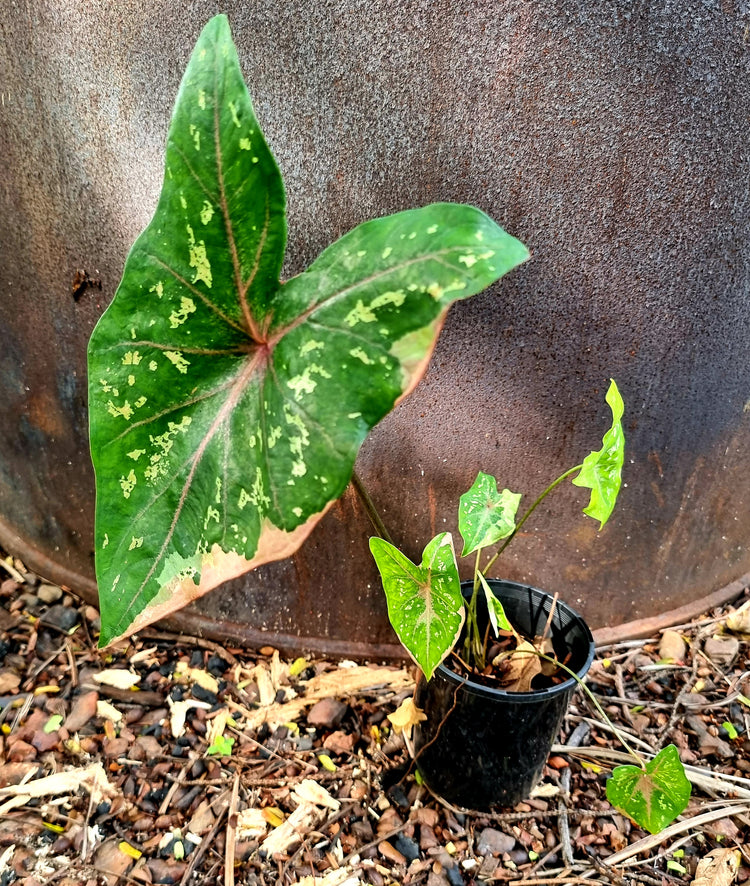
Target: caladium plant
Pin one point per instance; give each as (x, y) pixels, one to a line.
(425, 604)
(227, 407)
(428, 611)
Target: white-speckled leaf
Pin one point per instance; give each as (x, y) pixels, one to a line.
(226, 408)
(653, 796)
(485, 515)
(602, 470)
(425, 605)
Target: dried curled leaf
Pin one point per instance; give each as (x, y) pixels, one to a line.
(518, 669)
(406, 715)
(718, 868)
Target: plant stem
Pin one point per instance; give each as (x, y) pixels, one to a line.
(372, 512)
(599, 708)
(528, 513)
(473, 646)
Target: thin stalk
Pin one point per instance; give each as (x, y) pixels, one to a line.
(372, 511)
(599, 708)
(528, 513)
(473, 646)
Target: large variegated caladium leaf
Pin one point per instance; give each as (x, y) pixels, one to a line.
(425, 605)
(227, 408)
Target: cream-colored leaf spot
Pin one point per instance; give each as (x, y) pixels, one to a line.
(297, 512)
(153, 365)
(135, 543)
(274, 436)
(126, 410)
(359, 314)
(202, 99)
(106, 540)
(245, 144)
(199, 259)
(299, 469)
(233, 112)
(183, 202)
(187, 307)
(386, 252)
(310, 346)
(131, 380)
(218, 491)
(157, 288)
(397, 298)
(135, 454)
(141, 401)
(207, 212)
(211, 514)
(351, 415)
(177, 360)
(360, 354)
(432, 229)
(196, 136)
(479, 235)
(127, 484)
(302, 384)
(131, 358)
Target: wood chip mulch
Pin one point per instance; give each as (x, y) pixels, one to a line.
(176, 760)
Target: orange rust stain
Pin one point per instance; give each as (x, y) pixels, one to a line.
(44, 413)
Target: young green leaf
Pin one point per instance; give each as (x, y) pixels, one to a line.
(222, 746)
(498, 618)
(602, 470)
(425, 605)
(653, 797)
(730, 730)
(226, 408)
(486, 515)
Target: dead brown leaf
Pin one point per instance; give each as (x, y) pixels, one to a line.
(718, 868)
(519, 669)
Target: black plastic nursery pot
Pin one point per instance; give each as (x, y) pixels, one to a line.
(482, 747)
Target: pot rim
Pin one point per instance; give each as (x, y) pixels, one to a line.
(535, 695)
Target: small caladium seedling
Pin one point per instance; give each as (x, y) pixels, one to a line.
(486, 517)
(226, 407)
(654, 794)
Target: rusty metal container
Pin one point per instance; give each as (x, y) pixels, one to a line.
(610, 138)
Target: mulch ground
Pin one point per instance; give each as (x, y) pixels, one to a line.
(177, 760)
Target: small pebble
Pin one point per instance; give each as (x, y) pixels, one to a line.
(407, 847)
(49, 594)
(722, 650)
(64, 618)
(494, 842)
(389, 851)
(327, 713)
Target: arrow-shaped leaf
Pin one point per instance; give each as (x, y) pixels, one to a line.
(425, 605)
(227, 408)
(654, 796)
(486, 515)
(602, 470)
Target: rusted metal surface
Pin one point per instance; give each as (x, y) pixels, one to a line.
(609, 137)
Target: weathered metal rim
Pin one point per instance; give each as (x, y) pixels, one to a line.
(192, 623)
(647, 627)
